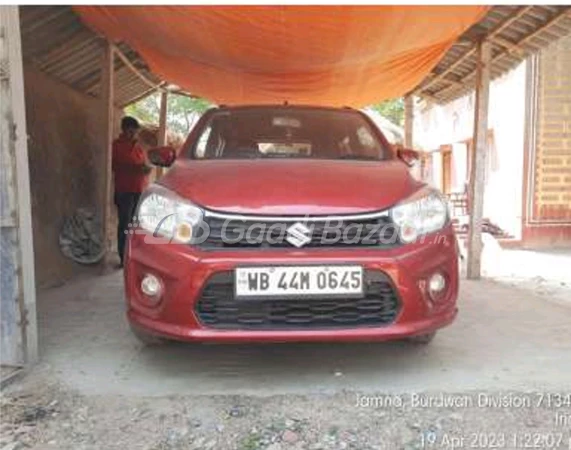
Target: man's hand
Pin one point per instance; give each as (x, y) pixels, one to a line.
(143, 168)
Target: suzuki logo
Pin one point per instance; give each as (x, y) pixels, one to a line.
(298, 234)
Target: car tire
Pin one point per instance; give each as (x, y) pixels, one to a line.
(422, 339)
(147, 339)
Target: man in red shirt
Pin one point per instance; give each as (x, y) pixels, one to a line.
(131, 172)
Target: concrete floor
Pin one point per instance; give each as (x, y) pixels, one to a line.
(547, 273)
(504, 338)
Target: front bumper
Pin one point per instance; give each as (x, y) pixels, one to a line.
(185, 270)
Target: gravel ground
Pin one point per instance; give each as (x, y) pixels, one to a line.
(50, 417)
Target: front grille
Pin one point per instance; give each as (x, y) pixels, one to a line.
(217, 308)
(379, 231)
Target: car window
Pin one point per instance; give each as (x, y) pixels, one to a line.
(202, 142)
(366, 138)
(291, 132)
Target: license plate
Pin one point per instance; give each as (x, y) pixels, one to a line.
(295, 281)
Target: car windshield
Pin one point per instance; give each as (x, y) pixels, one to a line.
(288, 132)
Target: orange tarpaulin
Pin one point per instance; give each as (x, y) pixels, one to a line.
(327, 55)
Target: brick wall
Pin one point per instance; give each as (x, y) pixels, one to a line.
(553, 157)
(549, 219)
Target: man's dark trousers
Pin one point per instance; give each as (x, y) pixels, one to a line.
(126, 203)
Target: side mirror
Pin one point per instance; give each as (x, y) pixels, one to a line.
(408, 156)
(162, 156)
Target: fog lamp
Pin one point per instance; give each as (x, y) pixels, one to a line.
(436, 284)
(151, 286)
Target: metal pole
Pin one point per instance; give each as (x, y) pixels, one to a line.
(478, 168)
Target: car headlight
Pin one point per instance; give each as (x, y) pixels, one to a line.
(164, 214)
(424, 212)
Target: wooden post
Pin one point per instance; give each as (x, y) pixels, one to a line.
(408, 121)
(106, 111)
(478, 169)
(19, 331)
(162, 137)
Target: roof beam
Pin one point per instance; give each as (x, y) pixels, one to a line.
(563, 14)
(136, 71)
(183, 93)
(512, 47)
(472, 51)
(138, 97)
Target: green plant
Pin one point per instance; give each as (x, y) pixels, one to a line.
(391, 109)
(182, 111)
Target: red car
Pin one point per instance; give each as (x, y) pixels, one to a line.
(289, 223)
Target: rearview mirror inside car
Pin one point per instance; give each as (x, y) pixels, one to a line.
(162, 156)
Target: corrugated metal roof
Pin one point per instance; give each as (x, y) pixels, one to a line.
(55, 41)
(515, 32)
